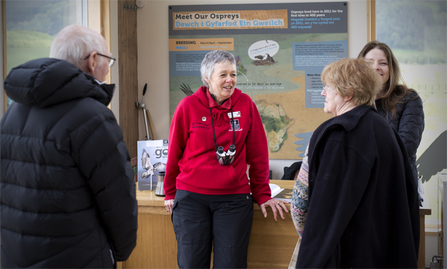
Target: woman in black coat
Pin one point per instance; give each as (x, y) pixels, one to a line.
(398, 104)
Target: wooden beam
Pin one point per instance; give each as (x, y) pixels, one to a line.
(371, 20)
(128, 75)
(105, 21)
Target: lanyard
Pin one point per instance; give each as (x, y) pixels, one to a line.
(212, 124)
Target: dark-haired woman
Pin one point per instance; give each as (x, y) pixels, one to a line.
(398, 104)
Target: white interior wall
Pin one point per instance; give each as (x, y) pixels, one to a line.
(114, 50)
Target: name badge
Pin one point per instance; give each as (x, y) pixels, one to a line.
(236, 114)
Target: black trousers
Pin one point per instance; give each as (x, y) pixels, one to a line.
(203, 223)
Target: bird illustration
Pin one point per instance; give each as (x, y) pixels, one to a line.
(265, 59)
(433, 160)
(160, 167)
(146, 164)
(269, 58)
(186, 89)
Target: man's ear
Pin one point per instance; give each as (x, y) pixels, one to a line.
(92, 63)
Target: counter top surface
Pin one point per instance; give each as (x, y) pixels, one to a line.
(149, 199)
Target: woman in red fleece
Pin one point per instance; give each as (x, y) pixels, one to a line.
(215, 133)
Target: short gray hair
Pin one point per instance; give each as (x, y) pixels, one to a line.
(211, 59)
(74, 43)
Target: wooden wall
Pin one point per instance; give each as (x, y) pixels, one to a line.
(128, 75)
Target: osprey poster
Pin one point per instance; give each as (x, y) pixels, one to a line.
(280, 49)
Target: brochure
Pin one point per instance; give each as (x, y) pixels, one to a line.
(152, 157)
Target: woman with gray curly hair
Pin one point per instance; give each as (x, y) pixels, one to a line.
(354, 203)
(215, 134)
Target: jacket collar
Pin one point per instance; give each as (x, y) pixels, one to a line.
(351, 118)
(212, 103)
(48, 81)
(348, 120)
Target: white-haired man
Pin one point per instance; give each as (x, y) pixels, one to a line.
(67, 190)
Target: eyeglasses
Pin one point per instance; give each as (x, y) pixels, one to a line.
(111, 60)
(326, 87)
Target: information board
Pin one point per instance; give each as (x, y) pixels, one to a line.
(281, 50)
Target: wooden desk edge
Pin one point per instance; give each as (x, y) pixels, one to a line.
(148, 202)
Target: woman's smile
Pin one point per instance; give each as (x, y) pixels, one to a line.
(222, 81)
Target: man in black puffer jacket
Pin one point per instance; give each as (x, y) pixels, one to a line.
(67, 190)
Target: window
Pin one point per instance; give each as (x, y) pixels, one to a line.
(416, 32)
(32, 25)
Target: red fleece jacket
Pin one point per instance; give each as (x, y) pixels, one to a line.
(192, 163)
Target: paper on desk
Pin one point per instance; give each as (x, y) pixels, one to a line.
(275, 189)
(281, 193)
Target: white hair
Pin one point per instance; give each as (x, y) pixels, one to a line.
(75, 42)
(211, 59)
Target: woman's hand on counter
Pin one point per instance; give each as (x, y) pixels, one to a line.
(168, 205)
(276, 205)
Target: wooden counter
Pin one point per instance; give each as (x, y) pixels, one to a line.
(156, 243)
(271, 243)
